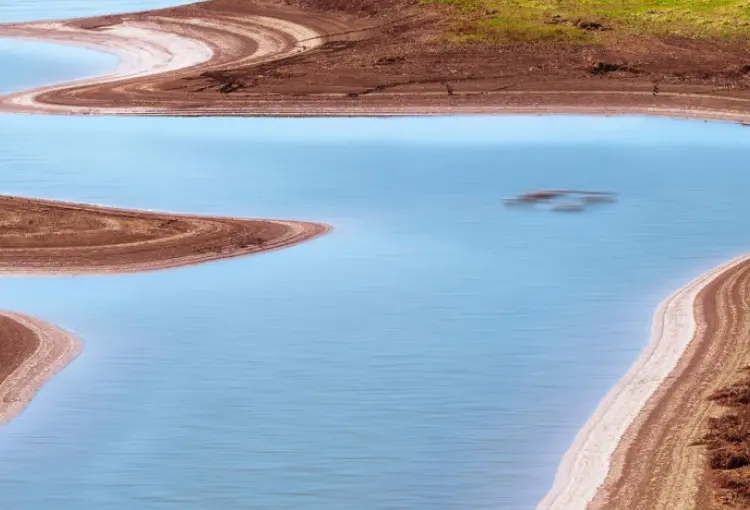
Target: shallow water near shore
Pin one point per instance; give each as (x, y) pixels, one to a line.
(28, 64)
(437, 350)
(35, 10)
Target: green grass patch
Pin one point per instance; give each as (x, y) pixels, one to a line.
(534, 20)
(502, 29)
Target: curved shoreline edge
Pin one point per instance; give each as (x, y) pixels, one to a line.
(55, 349)
(599, 448)
(156, 47)
(45, 237)
(140, 50)
(162, 50)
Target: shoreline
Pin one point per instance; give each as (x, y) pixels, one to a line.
(155, 47)
(140, 51)
(164, 54)
(594, 461)
(51, 238)
(55, 349)
(161, 241)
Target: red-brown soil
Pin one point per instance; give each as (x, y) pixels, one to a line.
(663, 462)
(391, 57)
(39, 236)
(17, 345)
(728, 445)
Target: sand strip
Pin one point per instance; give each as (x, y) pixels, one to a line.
(588, 461)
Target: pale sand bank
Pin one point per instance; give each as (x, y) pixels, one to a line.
(589, 460)
(142, 49)
(159, 46)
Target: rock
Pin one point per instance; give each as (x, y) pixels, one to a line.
(589, 25)
(389, 60)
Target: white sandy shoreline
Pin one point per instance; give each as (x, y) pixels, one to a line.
(150, 48)
(142, 49)
(587, 462)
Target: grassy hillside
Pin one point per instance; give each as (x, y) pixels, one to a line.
(587, 20)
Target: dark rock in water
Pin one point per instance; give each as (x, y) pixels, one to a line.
(561, 199)
(536, 196)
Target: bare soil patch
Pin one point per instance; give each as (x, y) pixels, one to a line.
(392, 57)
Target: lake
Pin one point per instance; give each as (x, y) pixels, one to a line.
(438, 350)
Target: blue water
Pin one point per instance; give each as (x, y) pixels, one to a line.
(33, 10)
(436, 351)
(32, 64)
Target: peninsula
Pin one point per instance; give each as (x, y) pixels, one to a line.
(43, 237)
(402, 57)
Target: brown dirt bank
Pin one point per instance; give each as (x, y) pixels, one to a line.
(40, 236)
(661, 463)
(728, 443)
(391, 57)
(16, 346)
